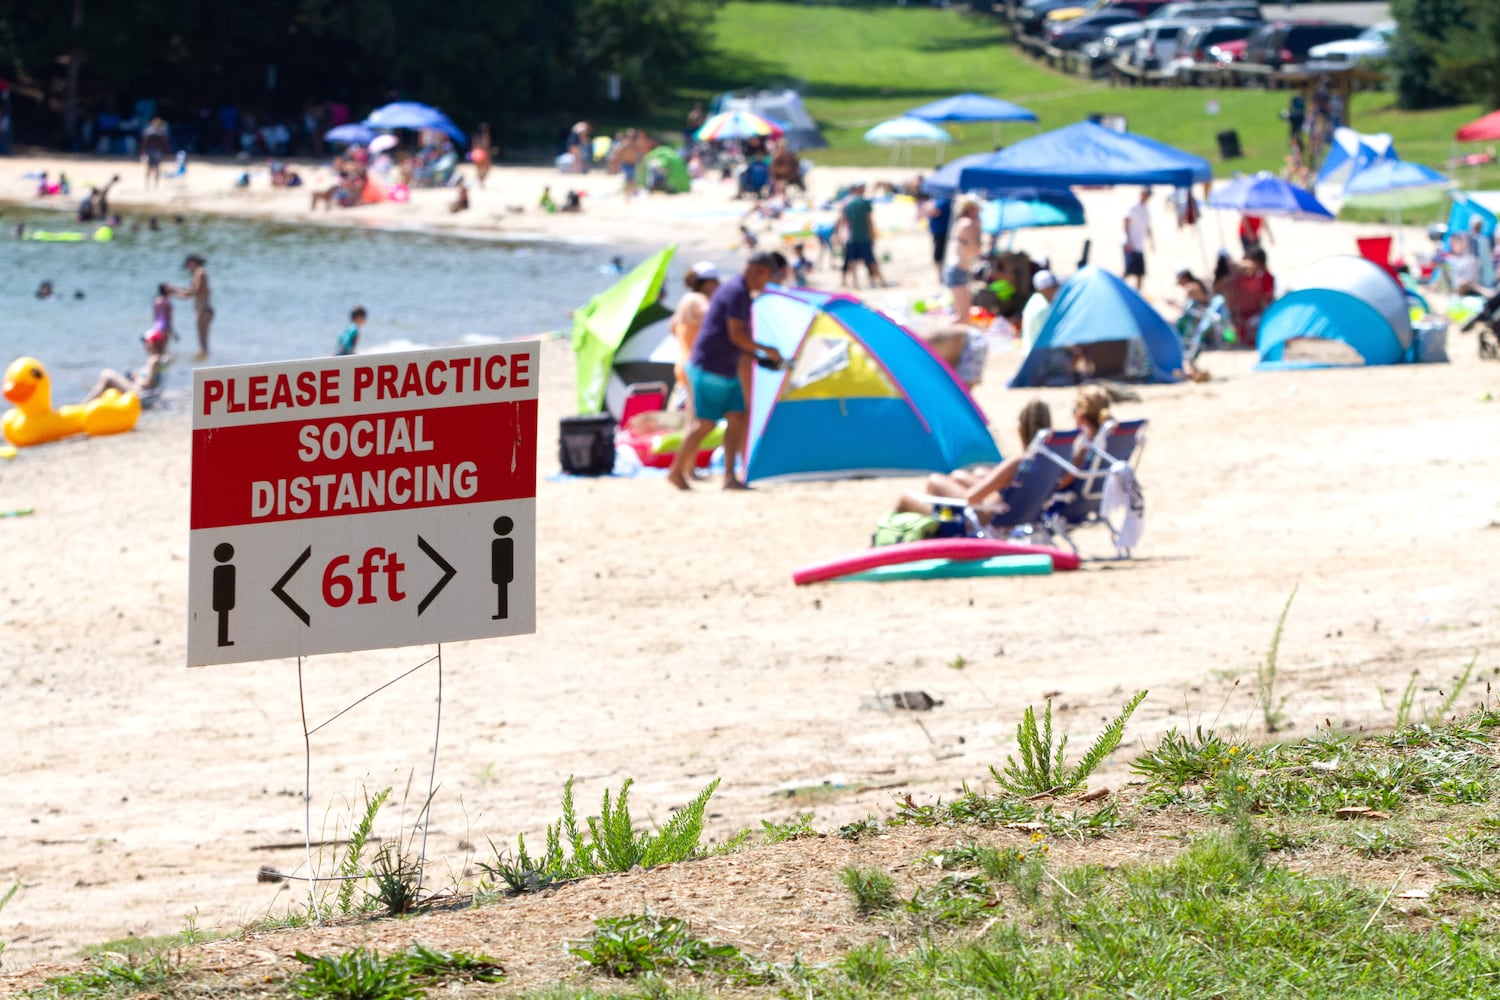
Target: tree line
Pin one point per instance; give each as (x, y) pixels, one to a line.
(1446, 52)
(509, 62)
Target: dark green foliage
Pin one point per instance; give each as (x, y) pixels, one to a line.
(1446, 51)
(476, 59)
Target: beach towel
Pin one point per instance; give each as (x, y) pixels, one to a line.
(1123, 496)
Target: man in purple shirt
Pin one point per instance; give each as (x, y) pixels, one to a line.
(720, 356)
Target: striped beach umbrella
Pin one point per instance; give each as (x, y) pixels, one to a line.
(737, 125)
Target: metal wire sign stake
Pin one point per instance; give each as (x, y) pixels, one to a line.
(353, 503)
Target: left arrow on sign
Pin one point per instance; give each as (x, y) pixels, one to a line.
(448, 573)
(280, 587)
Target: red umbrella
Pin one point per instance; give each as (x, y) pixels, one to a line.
(1481, 129)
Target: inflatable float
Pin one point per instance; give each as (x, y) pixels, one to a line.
(956, 549)
(947, 569)
(34, 421)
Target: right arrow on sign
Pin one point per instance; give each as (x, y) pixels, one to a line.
(279, 589)
(448, 573)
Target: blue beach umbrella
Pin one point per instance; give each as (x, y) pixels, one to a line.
(1267, 194)
(411, 115)
(351, 133)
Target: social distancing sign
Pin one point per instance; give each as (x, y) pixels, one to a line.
(363, 502)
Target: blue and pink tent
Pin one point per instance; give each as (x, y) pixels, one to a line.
(859, 396)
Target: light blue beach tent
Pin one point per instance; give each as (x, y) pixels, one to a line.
(1092, 307)
(860, 396)
(1346, 299)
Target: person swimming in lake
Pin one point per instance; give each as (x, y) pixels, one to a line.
(161, 312)
(349, 339)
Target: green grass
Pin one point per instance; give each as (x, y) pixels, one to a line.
(857, 66)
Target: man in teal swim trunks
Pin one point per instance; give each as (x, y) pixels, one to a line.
(713, 369)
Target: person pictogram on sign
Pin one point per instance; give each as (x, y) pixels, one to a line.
(503, 564)
(223, 598)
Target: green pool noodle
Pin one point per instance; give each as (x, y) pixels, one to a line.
(944, 569)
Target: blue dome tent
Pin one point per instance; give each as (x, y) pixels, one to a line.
(859, 396)
(1095, 307)
(1345, 299)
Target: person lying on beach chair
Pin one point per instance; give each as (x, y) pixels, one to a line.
(976, 485)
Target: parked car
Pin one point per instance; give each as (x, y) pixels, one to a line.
(1229, 52)
(1114, 43)
(1031, 18)
(1371, 45)
(1141, 8)
(1073, 34)
(1282, 42)
(1195, 45)
(1206, 10)
(1158, 44)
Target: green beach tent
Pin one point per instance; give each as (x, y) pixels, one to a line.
(621, 337)
(670, 163)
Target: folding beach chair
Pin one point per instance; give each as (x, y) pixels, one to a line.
(1115, 451)
(1204, 324)
(1019, 512)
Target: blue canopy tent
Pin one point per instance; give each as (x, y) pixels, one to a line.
(972, 108)
(943, 182)
(1095, 307)
(411, 115)
(1084, 153)
(859, 396)
(1346, 299)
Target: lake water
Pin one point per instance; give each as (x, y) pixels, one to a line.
(279, 291)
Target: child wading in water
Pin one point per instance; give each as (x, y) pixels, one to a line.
(349, 339)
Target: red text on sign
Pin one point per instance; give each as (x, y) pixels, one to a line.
(339, 585)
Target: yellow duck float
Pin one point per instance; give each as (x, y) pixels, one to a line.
(34, 421)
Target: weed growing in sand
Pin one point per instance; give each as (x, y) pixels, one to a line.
(1041, 768)
(351, 865)
(365, 975)
(397, 878)
(1183, 759)
(873, 890)
(1265, 675)
(1404, 715)
(611, 843)
(859, 828)
(115, 976)
(796, 829)
(634, 945)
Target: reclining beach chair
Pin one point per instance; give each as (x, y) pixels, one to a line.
(1115, 451)
(1019, 512)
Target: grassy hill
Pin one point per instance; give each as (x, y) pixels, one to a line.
(857, 66)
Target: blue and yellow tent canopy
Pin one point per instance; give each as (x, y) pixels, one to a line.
(860, 396)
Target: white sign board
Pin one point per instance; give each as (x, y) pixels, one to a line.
(362, 503)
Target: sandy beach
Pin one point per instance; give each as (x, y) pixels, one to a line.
(672, 647)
